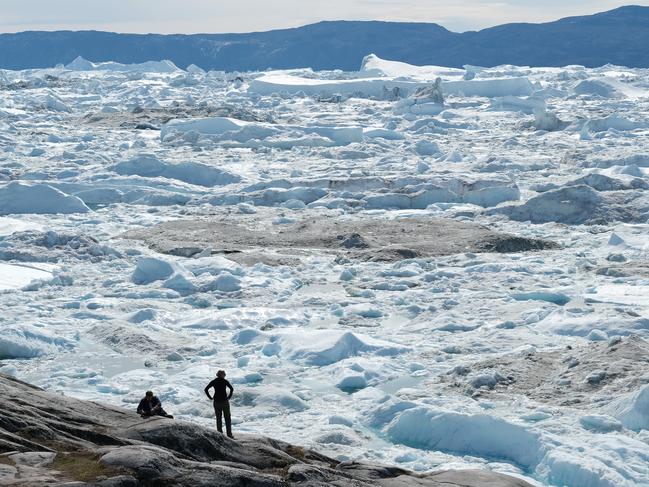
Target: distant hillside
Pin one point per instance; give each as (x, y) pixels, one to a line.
(619, 36)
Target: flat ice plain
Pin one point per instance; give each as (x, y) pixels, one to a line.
(532, 363)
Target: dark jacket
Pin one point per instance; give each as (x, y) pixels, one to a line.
(219, 385)
(147, 407)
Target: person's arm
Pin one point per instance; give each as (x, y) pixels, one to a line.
(229, 386)
(157, 405)
(207, 389)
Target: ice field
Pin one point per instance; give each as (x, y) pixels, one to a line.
(445, 355)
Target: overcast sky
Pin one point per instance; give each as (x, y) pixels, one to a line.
(190, 16)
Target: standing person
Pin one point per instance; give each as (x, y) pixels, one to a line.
(221, 401)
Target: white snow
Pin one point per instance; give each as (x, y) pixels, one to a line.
(208, 126)
(615, 122)
(16, 198)
(9, 226)
(600, 423)
(258, 134)
(16, 276)
(573, 204)
(619, 294)
(148, 165)
(609, 87)
(325, 347)
(26, 341)
(373, 65)
(150, 269)
(479, 435)
(381, 88)
(633, 410)
(81, 64)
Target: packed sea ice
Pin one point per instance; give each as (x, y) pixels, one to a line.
(531, 363)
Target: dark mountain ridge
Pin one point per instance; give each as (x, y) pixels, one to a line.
(619, 36)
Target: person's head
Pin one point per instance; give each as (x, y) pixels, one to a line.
(149, 394)
(221, 374)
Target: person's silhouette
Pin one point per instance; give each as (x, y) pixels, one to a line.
(221, 401)
(150, 405)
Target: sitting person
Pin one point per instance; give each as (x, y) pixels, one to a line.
(150, 405)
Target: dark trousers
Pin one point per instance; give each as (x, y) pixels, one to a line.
(222, 408)
(157, 412)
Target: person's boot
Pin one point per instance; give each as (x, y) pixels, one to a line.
(230, 435)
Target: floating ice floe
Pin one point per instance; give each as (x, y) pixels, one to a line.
(602, 182)
(600, 423)
(306, 333)
(633, 409)
(485, 193)
(381, 88)
(615, 122)
(50, 246)
(576, 205)
(147, 165)
(527, 105)
(424, 101)
(376, 193)
(625, 294)
(567, 323)
(16, 198)
(551, 297)
(24, 342)
(243, 320)
(150, 269)
(595, 460)
(81, 64)
(238, 133)
(635, 237)
(373, 65)
(325, 347)
(465, 434)
(276, 398)
(52, 102)
(608, 87)
(9, 226)
(489, 437)
(17, 276)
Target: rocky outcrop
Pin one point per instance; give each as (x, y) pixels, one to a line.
(584, 377)
(366, 239)
(48, 439)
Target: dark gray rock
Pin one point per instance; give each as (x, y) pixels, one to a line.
(37, 428)
(363, 239)
(586, 377)
(206, 445)
(119, 481)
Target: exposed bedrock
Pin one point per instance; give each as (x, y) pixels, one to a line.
(364, 239)
(588, 377)
(47, 439)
